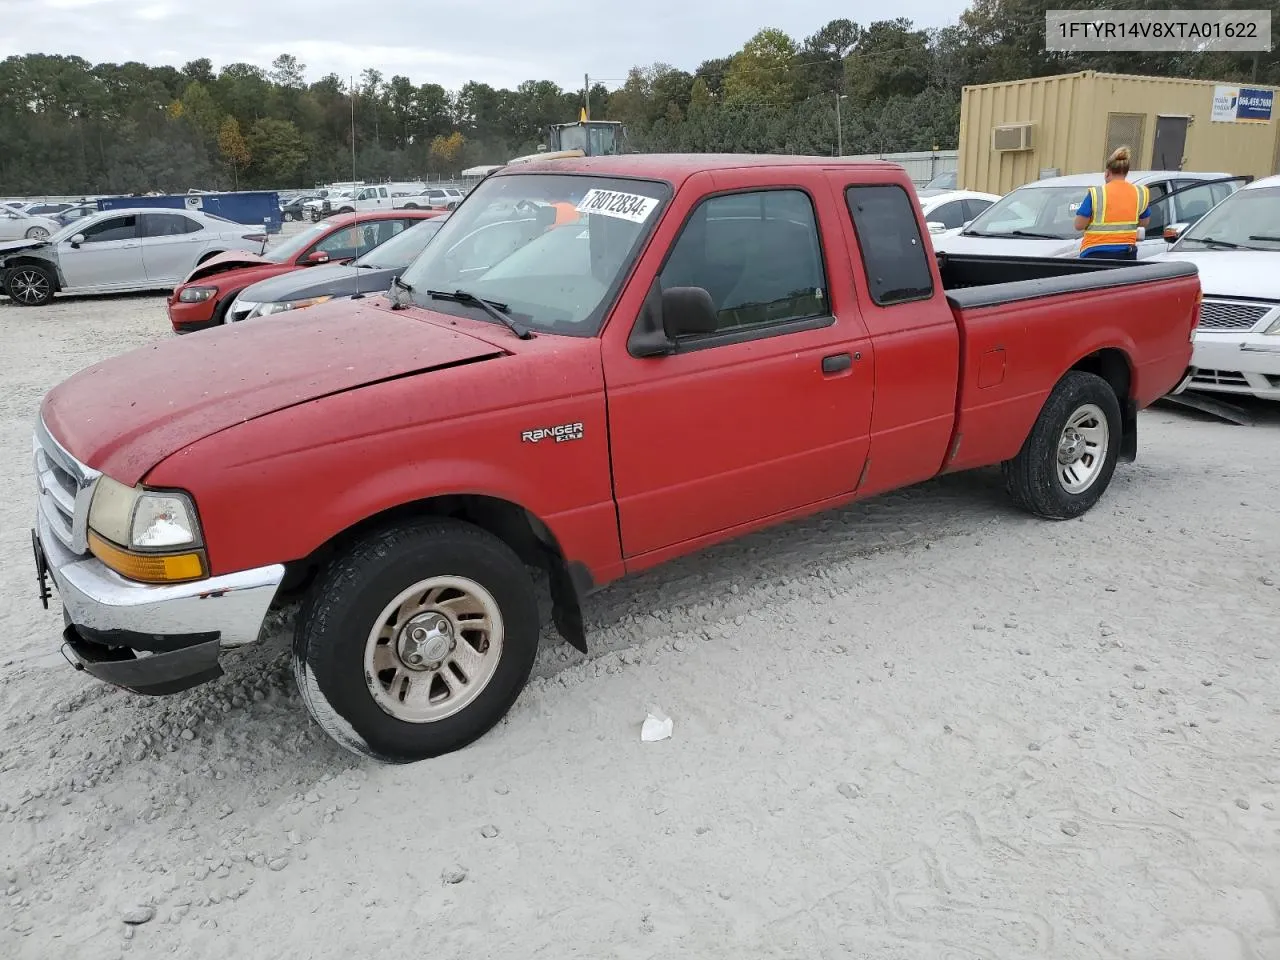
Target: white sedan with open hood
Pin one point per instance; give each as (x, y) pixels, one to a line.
(1236, 248)
(119, 251)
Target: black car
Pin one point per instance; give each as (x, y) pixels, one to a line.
(292, 210)
(371, 273)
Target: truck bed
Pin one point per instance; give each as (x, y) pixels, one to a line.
(981, 281)
(1020, 317)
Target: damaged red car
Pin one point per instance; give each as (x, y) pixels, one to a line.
(202, 299)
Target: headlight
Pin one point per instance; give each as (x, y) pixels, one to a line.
(1274, 329)
(197, 294)
(266, 309)
(148, 535)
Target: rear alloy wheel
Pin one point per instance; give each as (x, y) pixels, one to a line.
(29, 285)
(37, 233)
(1067, 461)
(289, 217)
(416, 641)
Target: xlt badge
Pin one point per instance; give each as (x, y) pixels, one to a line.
(561, 434)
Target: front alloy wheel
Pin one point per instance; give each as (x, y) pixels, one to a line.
(434, 649)
(29, 286)
(416, 640)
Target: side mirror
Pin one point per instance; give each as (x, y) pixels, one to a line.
(936, 227)
(77, 240)
(316, 256)
(688, 311)
(669, 314)
(965, 225)
(1174, 231)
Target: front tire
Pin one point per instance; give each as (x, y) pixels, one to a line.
(1068, 459)
(417, 640)
(29, 285)
(289, 217)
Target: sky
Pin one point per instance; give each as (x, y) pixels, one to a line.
(500, 44)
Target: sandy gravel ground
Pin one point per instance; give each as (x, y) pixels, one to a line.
(926, 727)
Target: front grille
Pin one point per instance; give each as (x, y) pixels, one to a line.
(1231, 314)
(1220, 378)
(65, 487)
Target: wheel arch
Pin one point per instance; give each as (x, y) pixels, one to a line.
(27, 260)
(1115, 366)
(515, 525)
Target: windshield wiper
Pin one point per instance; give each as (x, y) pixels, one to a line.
(1033, 235)
(1210, 242)
(1265, 237)
(499, 311)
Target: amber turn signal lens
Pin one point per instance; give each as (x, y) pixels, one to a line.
(148, 568)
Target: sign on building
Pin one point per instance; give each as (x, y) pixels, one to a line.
(1242, 105)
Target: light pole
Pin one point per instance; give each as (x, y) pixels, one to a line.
(839, 127)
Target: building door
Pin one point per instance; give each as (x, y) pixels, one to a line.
(1171, 142)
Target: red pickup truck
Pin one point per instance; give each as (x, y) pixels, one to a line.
(715, 344)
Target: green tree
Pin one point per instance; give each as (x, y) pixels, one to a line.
(277, 150)
(761, 73)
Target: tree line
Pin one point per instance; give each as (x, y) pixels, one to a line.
(68, 126)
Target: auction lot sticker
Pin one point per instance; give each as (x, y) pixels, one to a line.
(624, 206)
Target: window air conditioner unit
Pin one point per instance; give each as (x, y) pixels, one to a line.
(1011, 136)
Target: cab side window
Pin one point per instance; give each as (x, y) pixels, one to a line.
(757, 254)
(893, 255)
(113, 228)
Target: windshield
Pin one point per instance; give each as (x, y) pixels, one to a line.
(400, 250)
(297, 243)
(1248, 219)
(943, 181)
(553, 248)
(1050, 211)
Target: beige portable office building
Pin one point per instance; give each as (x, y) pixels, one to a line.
(1022, 130)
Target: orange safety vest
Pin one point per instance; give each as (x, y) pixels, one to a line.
(1116, 206)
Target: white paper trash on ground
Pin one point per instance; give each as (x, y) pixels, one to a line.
(657, 726)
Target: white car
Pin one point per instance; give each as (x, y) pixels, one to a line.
(1236, 248)
(119, 251)
(15, 225)
(1037, 219)
(949, 210)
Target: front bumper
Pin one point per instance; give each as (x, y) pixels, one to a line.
(1239, 363)
(189, 317)
(179, 628)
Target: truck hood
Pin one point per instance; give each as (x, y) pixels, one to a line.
(126, 414)
(1251, 274)
(231, 260)
(1004, 246)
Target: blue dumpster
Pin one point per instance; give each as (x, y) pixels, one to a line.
(256, 207)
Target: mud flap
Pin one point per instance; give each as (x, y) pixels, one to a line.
(566, 611)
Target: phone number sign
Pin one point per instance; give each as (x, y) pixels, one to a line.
(1242, 105)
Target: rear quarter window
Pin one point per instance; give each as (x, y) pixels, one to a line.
(894, 258)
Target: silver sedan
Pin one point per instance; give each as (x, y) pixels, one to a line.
(119, 251)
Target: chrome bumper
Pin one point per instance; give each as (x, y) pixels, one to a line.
(230, 607)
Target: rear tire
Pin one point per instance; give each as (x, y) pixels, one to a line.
(37, 233)
(1068, 459)
(473, 602)
(29, 285)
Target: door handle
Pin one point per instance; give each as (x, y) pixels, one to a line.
(836, 363)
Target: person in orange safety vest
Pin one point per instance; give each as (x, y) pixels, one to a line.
(1111, 214)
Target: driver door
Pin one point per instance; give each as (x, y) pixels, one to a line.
(109, 257)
